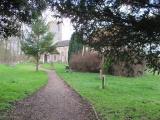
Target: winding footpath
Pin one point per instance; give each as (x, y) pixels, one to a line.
(55, 101)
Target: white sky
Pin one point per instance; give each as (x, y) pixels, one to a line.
(67, 28)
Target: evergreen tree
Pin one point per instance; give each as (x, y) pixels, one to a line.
(75, 44)
(15, 12)
(38, 42)
(120, 29)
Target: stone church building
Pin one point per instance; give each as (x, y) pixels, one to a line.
(62, 45)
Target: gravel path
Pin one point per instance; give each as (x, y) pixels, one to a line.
(56, 101)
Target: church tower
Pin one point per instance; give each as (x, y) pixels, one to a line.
(56, 29)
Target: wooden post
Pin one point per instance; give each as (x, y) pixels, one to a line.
(103, 81)
(100, 74)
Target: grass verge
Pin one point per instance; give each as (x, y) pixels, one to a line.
(49, 66)
(122, 99)
(18, 82)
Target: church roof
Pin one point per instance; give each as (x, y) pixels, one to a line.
(62, 43)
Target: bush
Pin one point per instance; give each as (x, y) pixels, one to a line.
(89, 62)
(127, 69)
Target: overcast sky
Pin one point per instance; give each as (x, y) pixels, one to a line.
(67, 28)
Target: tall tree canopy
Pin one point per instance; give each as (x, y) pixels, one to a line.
(13, 12)
(75, 45)
(121, 29)
(39, 41)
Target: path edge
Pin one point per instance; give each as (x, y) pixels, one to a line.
(84, 99)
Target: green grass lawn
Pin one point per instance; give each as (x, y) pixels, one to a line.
(48, 66)
(122, 99)
(18, 82)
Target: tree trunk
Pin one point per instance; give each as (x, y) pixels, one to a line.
(101, 72)
(102, 65)
(83, 50)
(37, 63)
(37, 57)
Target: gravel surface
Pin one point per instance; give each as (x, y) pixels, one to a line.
(56, 101)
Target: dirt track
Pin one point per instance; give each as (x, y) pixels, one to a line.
(56, 101)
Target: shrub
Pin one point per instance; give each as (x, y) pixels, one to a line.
(89, 62)
(127, 69)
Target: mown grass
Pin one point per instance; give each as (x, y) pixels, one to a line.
(18, 82)
(122, 99)
(48, 66)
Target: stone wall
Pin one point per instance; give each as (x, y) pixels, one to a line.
(62, 57)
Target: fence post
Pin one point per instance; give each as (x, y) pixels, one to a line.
(100, 74)
(103, 81)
